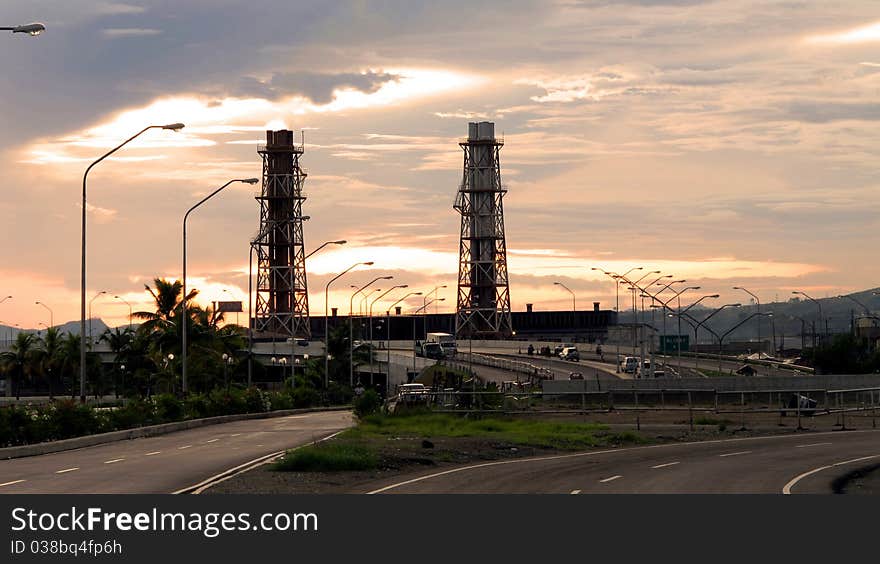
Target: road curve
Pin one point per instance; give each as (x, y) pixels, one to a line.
(166, 463)
(801, 463)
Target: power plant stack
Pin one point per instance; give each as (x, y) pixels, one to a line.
(483, 303)
(282, 307)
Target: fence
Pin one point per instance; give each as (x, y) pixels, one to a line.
(809, 402)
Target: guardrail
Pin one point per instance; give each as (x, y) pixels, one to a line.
(805, 402)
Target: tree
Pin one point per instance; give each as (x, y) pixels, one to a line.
(17, 362)
(48, 357)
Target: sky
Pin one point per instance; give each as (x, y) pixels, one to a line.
(728, 143)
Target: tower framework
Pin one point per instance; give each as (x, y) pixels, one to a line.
(483, 300)
(282, 299)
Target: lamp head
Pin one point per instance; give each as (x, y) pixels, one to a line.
(251, 180)
(367, 263)
(714, 296)
(32, 29)
(173, 126)
(340, 242)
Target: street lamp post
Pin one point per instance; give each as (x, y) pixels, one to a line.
(341, 242)
(351, 326)
(123, 300)
(616, 310)
(734, 328)
(51, 314)
(183, 312)
(388, 328)
(82, 322)
(370, 318)
(703, 323)
(433, 293)
(414, 315)
(818, 305)
(99, 294)
(758, 303)
(327, 319)
(567, 289)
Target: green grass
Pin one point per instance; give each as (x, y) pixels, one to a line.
(330, 456)
(525, 432)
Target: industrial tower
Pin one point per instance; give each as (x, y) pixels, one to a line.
(483, 304)
(282, 307)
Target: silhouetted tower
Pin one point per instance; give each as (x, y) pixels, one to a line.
(282, 294)
(483, 304)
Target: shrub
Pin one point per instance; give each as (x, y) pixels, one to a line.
(305, 396)
(168, 408)
(135, 413)
(328, 457)
(67, 418)
(367, 403)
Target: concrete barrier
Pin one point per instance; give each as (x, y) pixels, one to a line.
(147, 431)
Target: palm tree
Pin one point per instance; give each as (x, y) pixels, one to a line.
(119, 341)
(69, 359)
(17, 361)
(48, 356)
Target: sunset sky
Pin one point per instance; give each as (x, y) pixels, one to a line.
(729, 143)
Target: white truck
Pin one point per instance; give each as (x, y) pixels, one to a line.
(446, 342)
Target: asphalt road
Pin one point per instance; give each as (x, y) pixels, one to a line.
(803, 463)
(165, 463)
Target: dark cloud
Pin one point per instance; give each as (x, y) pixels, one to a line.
(828, 111)
(318, 87)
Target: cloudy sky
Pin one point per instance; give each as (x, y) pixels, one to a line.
(728, 143)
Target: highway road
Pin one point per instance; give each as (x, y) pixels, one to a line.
(802, 463)
(165, 463)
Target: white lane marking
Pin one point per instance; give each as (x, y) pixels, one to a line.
(67, 470)
(811, 445)
(296, 417)
(212, 441)
(235, 434)
(114, 460)
(735, 453)
(786, 489)
(611, 479)
(665, 465)
(12, 482)
(575, 492)
(598, 452)
(154, 453)
(183, 447)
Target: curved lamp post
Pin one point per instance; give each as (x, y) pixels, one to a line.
(567, 289)
(82, 321)
(340, 242)
(815, 301)
(326, 319)
(51, 314)
(183, 312)
(91, 301)
(351, 326)
(370, 317)
(123, 300)
(734, 328)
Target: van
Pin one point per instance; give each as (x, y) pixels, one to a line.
(570, 353)
(629, 364)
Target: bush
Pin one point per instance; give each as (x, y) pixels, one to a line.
(305, 396)
(367, 403)
(67, 418)
(135, 413)
(168, 408)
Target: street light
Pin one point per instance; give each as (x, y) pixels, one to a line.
(90, 314)
(82, 321)
(342, 242)
(183, 312)
(326, 319)
(732, 329)
(51, 314)
(129, 309)
(615, 277)
(424, 305)
(567, 289)
(32, 29)
(351, 326)
(433, 293)
(758, 302)
(4, 299)
(388, 333)
(815, 301)
(370, 317)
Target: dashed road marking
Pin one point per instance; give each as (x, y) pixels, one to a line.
(612, 478)
(575, 492)
(154, 453)
(212, 441)
(12, 482)
(735, 453)
(235, 434)
(811, 445)
(183, 447)
(66, 470)
(114, 460)
(665, 465)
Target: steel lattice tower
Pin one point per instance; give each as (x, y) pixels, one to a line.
(282, 293)
(483, 304)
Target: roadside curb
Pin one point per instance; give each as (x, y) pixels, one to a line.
(22, 451)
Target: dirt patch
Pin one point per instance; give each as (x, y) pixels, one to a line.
(861, 481)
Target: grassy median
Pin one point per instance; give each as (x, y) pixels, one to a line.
(381, 441)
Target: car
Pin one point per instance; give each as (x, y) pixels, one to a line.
(629, 364)
(576, 376)
(557, 350)
(570, 353)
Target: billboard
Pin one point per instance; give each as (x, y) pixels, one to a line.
(229, 307)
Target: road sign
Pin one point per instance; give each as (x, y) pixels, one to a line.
(671, 344)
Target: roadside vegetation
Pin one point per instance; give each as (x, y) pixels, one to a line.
(388, 441)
